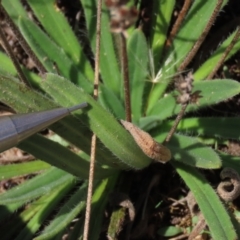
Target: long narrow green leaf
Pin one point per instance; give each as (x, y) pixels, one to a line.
(21, 103)
(210, 205)
(7, 69)
(99, 201)
(101, 122)
(70, 128)
(108, 61)
(162, 13)
(46, 204)
(198, 15)
(212, 92)
(26, 100)
(38, 41)
(56, 25)
(137, 63)
(209, 65)
(14, 170)
(60, 31)
(111, 102)
(15, 9)
(61, 157)
(46, 50)
(210, 127)
(39, 185)
(191, 151)
(230, 161)
(67, 213)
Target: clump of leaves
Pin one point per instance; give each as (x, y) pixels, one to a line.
(155, 58)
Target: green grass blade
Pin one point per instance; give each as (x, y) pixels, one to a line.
(47, 204)
(111, 102)
(99, 201)
(109, 66)
(137, 63)
(210, 127)
(56, 25)
(41, 44)
(67, 213)
(19, 169)
(198, 15)
(230, 161)
(26, 100)
(162, 13)
(215, 214)
(61, 157)
(212, 92)
(15, 9)
(207, 67)
(149, 122)
(101, 122)
(7, 67)
(191, 151)
(70, 128)
(46, 50)
(39, 185)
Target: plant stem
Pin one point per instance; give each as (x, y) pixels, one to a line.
(177, 120)
(225, 54)
(94, 137)
(23, 42)
(202, 37)
(178, 22)
(124, 63)
(8, 50)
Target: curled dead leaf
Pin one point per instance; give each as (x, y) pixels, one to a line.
(149, 146)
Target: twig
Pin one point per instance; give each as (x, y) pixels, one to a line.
(198, 228)
(200, 40)
(184, 86)
(124, 63)
(23, 42)
(8, 50)
(226, 52)
(178, 22)
(94, 137)
(182, 236)
(177, 120)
